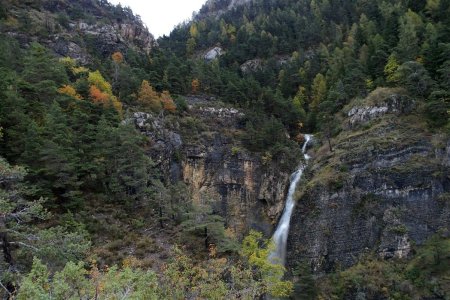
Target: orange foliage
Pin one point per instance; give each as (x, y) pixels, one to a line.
(105, 99)
(69, 91)
(97, 79)
(149, 98)
(195, 85)
(117, 57)
(98, 96)
(167, 102)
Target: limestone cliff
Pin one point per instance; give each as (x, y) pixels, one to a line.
(384, 188)
(202, 149)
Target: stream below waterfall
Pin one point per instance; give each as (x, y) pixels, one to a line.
(278, 255)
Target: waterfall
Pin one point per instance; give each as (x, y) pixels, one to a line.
(278, 255)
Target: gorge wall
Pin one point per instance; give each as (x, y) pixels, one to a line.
(384, 189)
(202, 149)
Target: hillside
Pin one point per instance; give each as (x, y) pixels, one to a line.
(87, 31)
(141, 169)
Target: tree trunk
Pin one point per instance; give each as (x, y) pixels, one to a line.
(7, 256)
(328, 135)
(160, 218)
(206, 238)
(329, 145)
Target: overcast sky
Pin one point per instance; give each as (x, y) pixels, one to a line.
(161, 16)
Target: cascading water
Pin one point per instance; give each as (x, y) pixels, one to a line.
(280, 236)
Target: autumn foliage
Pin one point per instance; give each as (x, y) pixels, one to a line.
(167, 102)
(117, 57)
(100, 91)
(71, 65)
(98, 96)
(151, 99)
(69, 91)
(97, 79)
(195, 85)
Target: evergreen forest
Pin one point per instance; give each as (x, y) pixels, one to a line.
(142, 168)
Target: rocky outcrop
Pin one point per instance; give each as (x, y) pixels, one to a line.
(79, 30)
(393, 103)
(213, 53)
(384, 189)
(258, 64)
(115, 36)
(252, 66)
(246, 192)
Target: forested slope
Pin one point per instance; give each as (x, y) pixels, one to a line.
(114, 149)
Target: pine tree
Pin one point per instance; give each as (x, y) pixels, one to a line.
(42, 75)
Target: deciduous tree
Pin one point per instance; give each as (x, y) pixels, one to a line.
(149, 98)
(167, 102)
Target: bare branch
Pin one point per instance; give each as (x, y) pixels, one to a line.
(23, 244)
(6, 290)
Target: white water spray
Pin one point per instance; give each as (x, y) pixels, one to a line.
(280, 236)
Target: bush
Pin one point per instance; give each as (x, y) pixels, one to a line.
(181, 104)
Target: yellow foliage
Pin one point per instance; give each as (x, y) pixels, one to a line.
(230, 233)
(69, 91)
(195, 85)
(390, 69)
(79, 70)
(96, 78)
(271, 273)
(71, 64)
(193, 30)
(149, 98)
(68, 62)
(319, 90)
(131, 262)
(117, 105)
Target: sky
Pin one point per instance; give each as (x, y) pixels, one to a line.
(161, 16)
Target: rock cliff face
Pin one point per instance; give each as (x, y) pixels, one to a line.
(201, 149)
(245, 193)
(78, 29)
(384, 189)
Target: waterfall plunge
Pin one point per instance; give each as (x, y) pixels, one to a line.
(280, 236)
